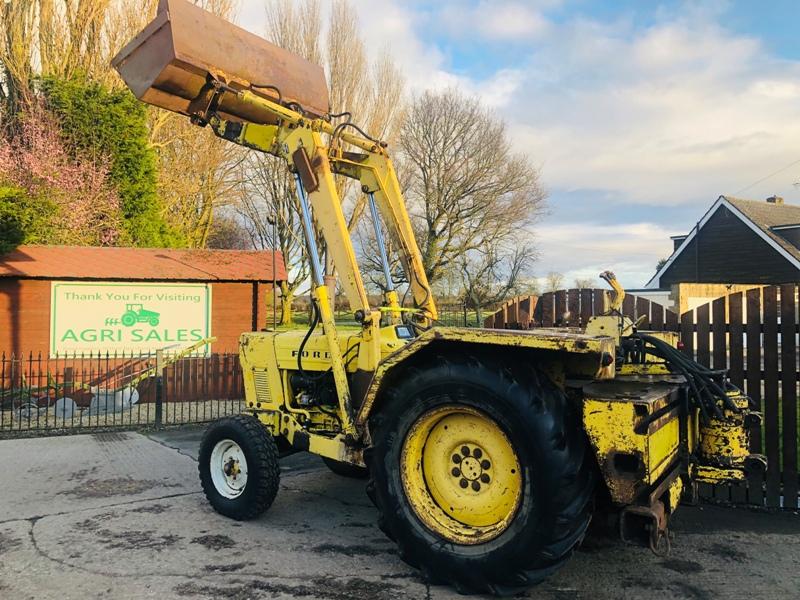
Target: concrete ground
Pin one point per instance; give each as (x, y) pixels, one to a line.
(119, 515)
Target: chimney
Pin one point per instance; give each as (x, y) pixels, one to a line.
(775, 200)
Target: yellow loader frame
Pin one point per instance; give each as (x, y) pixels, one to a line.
(642, 439)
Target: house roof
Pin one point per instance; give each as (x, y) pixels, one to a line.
(766, 215)
(152, 264)
(760, 216)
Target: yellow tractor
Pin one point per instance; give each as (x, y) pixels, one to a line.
(487, 451)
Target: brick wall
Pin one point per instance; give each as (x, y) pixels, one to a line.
(24, 315)
(235, 308)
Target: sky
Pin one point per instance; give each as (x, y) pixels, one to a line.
(638, 113)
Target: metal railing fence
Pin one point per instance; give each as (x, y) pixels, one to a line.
(40, 393)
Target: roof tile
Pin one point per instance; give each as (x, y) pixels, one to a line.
(766, 215)
(154, 264)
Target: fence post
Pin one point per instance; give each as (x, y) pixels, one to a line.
(465, 313)
(159, 387)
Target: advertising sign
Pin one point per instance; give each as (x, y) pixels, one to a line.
(119, 317)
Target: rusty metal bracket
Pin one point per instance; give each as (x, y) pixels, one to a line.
(655, 525)
(305, 168)
(205, 104)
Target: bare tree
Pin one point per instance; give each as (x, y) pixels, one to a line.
(65, 37)
(199, 173)
(553, 281)
(269, 194)
(365, 92)
(370, 257)
(585, 283)
(469, 193)
(492, 274)
(229, 233)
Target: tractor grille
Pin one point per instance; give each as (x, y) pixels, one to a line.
(261, 385)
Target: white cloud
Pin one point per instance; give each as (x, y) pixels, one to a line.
(584, 250)
(672, 114)
(494, 20)
(393, 26)
(680, 111)
(675, 113)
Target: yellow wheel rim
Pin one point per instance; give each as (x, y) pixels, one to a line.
(461, 474)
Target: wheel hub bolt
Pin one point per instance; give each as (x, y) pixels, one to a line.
(231, 468)
(470, 468)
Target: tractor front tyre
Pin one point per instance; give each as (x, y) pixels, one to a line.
(344, 469)
(238, 464)
(481, 474)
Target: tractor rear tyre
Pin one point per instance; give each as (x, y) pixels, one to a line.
(344, 469)
(481, 473)
(238, 464)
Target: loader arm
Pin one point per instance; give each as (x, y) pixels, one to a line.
(298, 140)
(371, 167)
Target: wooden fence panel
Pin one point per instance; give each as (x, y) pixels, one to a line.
(789, 396)
(687, 333)
(548, 313)
(755, 490)
(226, 370)
(736, 340)
(657, 319)
(525, 313)
(672, 321)
(501, 317)
(629, 306)
(513, 313)
(560, 307)
(771, 426)
(643, 310)
(735, 346)
(718, 334)
(598, 302)
(586, 306)
(703, 315)
(719, 360)
(549, 309)
(753, 369)
(573, 308)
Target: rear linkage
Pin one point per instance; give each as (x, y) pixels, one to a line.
(714, 418)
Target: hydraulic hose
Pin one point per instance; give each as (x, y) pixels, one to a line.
(314, 322)
(707, 387)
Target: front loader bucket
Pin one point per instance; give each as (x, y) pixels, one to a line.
(172, 58)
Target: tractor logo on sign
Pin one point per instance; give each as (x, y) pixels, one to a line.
(136, 313)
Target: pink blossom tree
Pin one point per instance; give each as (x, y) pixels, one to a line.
(75, 191)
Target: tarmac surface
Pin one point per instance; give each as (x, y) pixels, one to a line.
(120, 515)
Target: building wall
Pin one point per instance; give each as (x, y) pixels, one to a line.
(25, 314)
(727, 251)
(236, 308)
